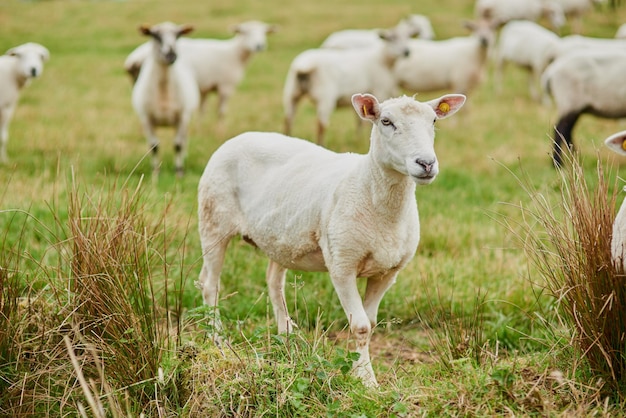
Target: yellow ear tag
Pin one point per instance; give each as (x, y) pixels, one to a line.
(624, 145)
(365, 110)
(444, 107)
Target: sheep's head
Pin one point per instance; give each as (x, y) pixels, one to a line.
(617, 142)
(396, 42)
(404, 131)
(253, 34)
(164, 36)
(31, 57)
(484, 30)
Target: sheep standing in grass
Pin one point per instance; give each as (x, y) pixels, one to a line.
(331, 76)
(527, 45)
(575, 9)
(218, 65)
(308, 208)
(166, 93)
(502, 11)
(586, 82)
(617, 143)
(413, 25)
(17, 67)
(456, 64)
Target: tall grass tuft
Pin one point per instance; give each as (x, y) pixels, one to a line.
(98, 335)
(569, 242)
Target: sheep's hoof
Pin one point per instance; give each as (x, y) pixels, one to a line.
(365, 373)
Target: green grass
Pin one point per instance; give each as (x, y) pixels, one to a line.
(76, 150)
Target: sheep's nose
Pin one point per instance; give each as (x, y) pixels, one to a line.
(33, 72)
(170, 57)
(426, 165)
(406, 52)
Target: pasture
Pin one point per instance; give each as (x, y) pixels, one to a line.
(468, 329)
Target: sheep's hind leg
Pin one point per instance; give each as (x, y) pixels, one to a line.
(209, 284)
(276, 285)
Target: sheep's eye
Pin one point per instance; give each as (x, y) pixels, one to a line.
(386, 122)
(434, 120)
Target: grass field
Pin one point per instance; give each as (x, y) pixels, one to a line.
(469, 329)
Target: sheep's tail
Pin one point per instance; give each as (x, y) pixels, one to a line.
(303, 79)
(546, 88)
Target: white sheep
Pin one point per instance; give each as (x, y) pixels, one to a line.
(308, 208)
(620, 33)
(456, 64)
(166, 93)
(218, 64)
(331, 76)
(575, 9)
(577, 43)
(18, 67)
(527, 45)
(413, 25)
(585, 82)
(502, 11)
(617, 143)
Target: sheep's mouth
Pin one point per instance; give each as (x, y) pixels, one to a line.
(424, 178)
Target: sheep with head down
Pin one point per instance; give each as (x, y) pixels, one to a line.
(308, 208)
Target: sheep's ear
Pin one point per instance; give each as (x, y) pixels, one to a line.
(447, 105)
(45, 54)
(145, 30)
(469, 25)
(617, 142)
(271, 29)
(385, 34)
(185, 29)
(366, 106)
(235, 28)
(11, 52)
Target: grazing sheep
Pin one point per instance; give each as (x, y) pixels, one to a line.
(413, 25)
(585, 82)
(575, 9)
(456, 64)
(17, 67)
(166, 93)
(502, 11)
(218, 65)
(331, 76)
(527, 45)
(617, 143)
(308, 208)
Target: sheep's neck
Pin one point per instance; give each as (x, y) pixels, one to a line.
(390, 188)
(244, 53)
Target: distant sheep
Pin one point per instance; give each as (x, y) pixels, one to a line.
(413, 25)
(308, 208)
(527, 45)
(217, 65)
(621, 31)
(166, 93)
(578, 43)
(502, 11)
(330, 77)
(586, 82)
(575, 9)
(617, 143)
(18, 67)
(456, 64)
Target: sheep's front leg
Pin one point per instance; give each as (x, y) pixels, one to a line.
(276, 284)
(153, 144)
(5, 117)
(180, 145)
(360, 327)
(376, 289)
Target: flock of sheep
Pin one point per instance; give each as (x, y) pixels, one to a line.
(352, 215)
